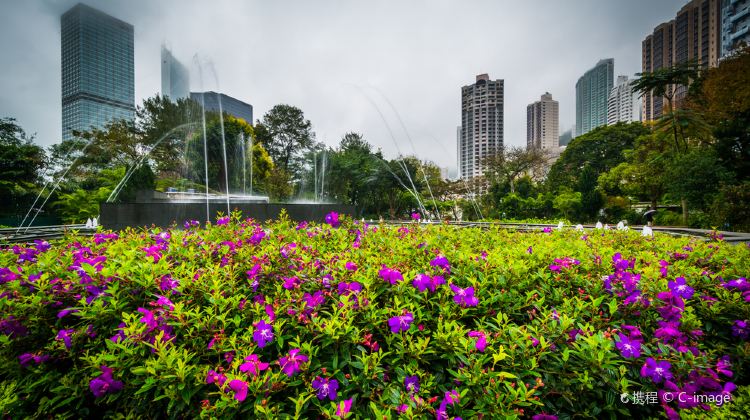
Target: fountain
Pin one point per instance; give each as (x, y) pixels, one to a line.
(176, 206)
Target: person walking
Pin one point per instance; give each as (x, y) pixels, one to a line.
(649, 216)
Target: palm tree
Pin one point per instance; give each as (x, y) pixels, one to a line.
(664, 82)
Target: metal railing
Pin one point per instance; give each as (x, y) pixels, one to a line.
(10, 236)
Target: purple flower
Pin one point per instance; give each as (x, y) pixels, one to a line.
(664, 268)
(657, 371)
(26, 358)
(66, 312)
(263, 333)
(64, 336)
(165, 302)
(326, 388)
(442, 263)
(332, 219)
(288, 250)
(464, 297)
(423, 282)
(240, 389)
(411, 383)
(291, 282)
(534, 341)
(168, 283)
(547, 230)
(723, 366)
(481, 343)
(416, 216)
(679, 288)
(390, 275)
(253, 365)
(574, 333)
(214, 377)
(104, 384)
(740, 284)
(351, 266)
(11, 327)
(346, 289)
(222, 221)
(290, 364)
(561, 263)
(120, 336)
(401, 323)
(451, 397)
(740, 329)
(312, 301)
(148, 319)
(628, 348)
(344, 407)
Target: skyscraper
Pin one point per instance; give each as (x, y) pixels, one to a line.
(234, 107)
(623, 104)
(481, 124)
(694, 35)
(592, 91)
(98, 83)
(543, 124)
(175, 77)
(735, 25)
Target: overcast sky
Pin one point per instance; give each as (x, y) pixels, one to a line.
(333, 59)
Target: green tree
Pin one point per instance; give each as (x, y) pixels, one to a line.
(601, 149)
(286, 135)
(696, 177)
(22, 163)
(683, 124)
(512, 163)
(642, 175)
(723, 98)
(591, 196)
(237, 134)
(156, 122)
(278, 185)
(568, 203)
(665, 82)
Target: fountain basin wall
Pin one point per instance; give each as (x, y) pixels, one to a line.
(117, 216)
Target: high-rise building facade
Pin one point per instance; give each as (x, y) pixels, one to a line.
(543, 124)
(592, 91)
(175, 77)
(98, 81)
(623, 105)
(213, 101)
(481, 133)
(735, 25)
(693, 36)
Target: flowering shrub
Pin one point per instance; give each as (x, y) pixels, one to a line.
(345, 319)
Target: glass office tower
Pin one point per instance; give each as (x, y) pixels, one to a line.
(98, 82)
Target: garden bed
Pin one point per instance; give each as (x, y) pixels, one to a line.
(365, 321)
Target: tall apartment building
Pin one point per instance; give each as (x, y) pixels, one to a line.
(735, 25)
(213, 101)
(98, 81)
(481, 133)
(543, 124)
(623, 104)
(592, 91)
(175, 77)
(694, 35)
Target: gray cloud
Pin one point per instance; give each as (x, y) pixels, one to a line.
(321, 56)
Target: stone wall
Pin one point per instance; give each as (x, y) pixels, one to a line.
(118, 216)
